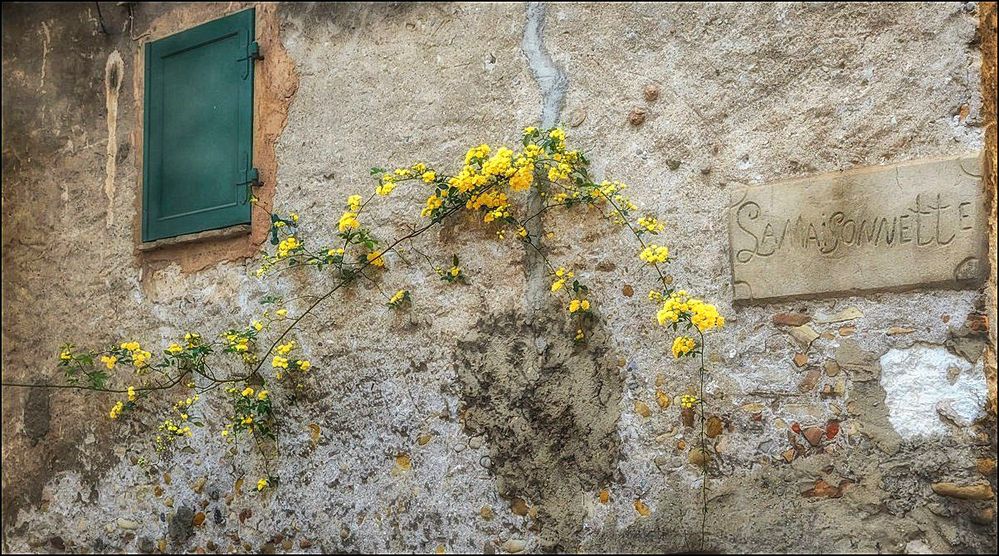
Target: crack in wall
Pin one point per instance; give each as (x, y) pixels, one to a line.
(553, 82)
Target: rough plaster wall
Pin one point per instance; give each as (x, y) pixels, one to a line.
(749, 94)
(987, 32)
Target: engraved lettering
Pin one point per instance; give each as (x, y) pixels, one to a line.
(878, 228)
(964, 215)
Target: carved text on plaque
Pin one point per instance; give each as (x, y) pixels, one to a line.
(893, 227)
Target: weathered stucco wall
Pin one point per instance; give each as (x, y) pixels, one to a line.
(510, 431)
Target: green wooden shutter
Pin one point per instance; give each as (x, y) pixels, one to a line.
(198, 136)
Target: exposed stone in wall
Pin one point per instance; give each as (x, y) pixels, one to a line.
(470, 423)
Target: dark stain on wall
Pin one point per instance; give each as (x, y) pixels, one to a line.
(548, 410)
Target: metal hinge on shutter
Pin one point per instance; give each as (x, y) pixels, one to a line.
(252, 54)
(252, 177)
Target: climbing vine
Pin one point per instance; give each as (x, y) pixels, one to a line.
(248, 364)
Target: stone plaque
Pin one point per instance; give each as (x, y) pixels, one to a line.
(878, 228)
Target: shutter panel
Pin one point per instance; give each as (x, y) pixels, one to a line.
(198, 127)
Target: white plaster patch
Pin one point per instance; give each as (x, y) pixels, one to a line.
(923, 381)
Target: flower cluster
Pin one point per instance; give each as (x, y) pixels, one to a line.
(654, 254)
(688, 401)
(561, 275)
(243, 342)
(252, 413)
(128, 353)
(171, 430)
(489, 174)
(488, 185)
(649, 225)
(683, 345)
(679, 307)
(579, 305)
(282, 364)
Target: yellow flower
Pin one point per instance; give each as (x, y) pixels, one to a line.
(584, 305)
(262, 395)
(687, 401)
(262, 484)
(283, 349)
(654, 254)
(683, 345)
(650, 225)
(279, 362)
(559, 172)
(109, 360)
(385, 188)
(557, 285)
(247, 392)
(558, 134)
(225, 432)
(131, 393)
(477, 152)
(140, 358)
(530, 130)
(288, 245)
(573, 305)
(499, 163)
(376, 259)
(116, 410)
(65, 355)
(397, 296)
(523, 178)
(433, 203)
(348, 221)
(294, 216)
(354, 203)
(174, 349)
(257, 325)
(429, 177)
(705, 316)
(281, 312)
(303, 365)
(130, 346)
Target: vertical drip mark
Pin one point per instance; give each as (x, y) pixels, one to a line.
(113, 72)
(553, 82)
(45, 54)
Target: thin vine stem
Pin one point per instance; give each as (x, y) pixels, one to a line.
(704, 451)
